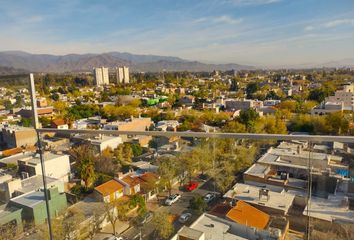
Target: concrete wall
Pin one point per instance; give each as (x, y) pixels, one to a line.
(21, 137)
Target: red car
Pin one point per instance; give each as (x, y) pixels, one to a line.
(191, 186)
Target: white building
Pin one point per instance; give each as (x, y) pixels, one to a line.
(102, 142)
(343, 99)
(101, 76)
(56, 166)
(345, 96)
(122, 74)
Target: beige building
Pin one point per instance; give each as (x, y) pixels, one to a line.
(122, 74)
(101, 76)
(15, 136)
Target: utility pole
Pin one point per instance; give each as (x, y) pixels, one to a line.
(35, 123)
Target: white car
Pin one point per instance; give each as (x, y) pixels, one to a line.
(209, 197)
(184, 217)
(114, 238)
(172, 199)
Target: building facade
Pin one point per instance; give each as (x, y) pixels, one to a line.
(122, 74)
(101, 76)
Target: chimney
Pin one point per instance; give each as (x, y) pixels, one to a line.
(120, 175)
(263, 192)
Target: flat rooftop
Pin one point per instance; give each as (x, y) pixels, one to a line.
(334, 208)
(89, 206)
(35, 159)
(258, 170)
(35, 182)
(215, 228)
(14, 158)
(29, 199)
(250, 194)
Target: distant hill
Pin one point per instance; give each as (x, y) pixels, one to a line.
(11, 71)
(349, 62)
(85, 62)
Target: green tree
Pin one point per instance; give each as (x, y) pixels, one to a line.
(116, 210)
(248, 118)
(234, 127)
(167, 171)
(84, 156)
(138, 200)
(252, 88)
(197, 203)
(137, 149)
(271, 125)
(163, 227)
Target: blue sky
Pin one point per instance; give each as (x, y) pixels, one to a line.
(262, 32)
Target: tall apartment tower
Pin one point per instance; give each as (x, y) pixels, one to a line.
(122, 74)
(101, 76)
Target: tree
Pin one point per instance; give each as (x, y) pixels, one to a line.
(167, 171)
(162, 225)
(9, 231)
(138, 200)
(234, 127)
(189, 163)
(84, 157)
(270, 125)
(136, 149)
(71, 223)
(60, 107)
(57, 230)
(337, 123)
(116, 210)
(106, 162)
(251, 88)
(319, 94)
(55, 96)
(94, 225)
(26, 122)
(123, 154)
(197, 203)
(248, 118)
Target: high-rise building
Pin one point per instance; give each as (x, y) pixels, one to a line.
(101, 76)
(122, 74)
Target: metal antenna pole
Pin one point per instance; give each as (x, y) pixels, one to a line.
(40, 149)
(309, 191)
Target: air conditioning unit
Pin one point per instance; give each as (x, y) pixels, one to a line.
(24, 175)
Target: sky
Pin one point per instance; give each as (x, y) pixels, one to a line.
(258, 32)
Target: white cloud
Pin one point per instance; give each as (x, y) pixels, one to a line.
(252, 2)
(339, 22)
(224, 19)
(227, 20)
(309, 28)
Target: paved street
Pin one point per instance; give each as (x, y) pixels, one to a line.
(178, 208)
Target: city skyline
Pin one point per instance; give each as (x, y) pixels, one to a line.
(257, 32)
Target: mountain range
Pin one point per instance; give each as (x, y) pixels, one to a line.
(85, 62)
(18, 62)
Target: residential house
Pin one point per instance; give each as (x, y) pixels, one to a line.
(109, 191)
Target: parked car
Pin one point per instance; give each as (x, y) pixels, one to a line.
(184, 217)
(191, 186)
(209, 197)
(172, 199)
(114, 238)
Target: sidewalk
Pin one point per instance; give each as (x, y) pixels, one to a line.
(107, 230)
